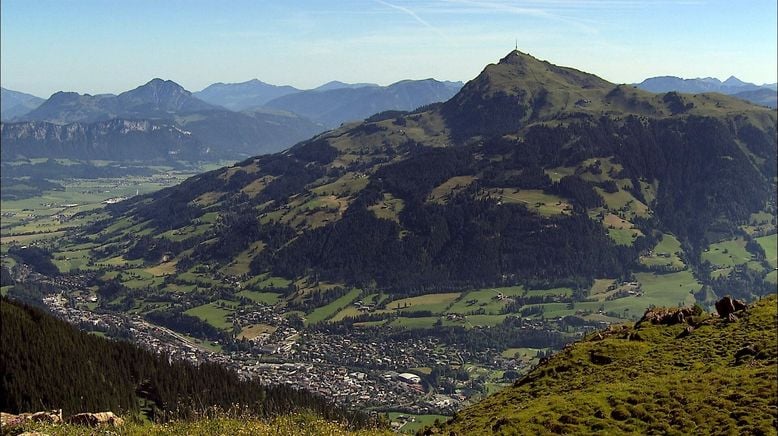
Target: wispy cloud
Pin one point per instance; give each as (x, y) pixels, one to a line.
(540, 11)
(413, 15)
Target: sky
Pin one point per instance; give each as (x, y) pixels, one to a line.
(110, 46)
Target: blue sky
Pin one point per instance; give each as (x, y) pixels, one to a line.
(96, 46)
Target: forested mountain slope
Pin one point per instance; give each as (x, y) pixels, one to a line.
(531, 172)
(49, 364)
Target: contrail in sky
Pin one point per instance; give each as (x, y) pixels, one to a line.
(415, 16)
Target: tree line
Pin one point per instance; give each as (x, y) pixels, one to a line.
(49, 364)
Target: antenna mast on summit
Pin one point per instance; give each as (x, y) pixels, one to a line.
(517, 44)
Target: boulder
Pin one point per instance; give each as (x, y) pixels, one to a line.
(51, 417)
(745, 351)
(685, 332)
(10, 420)
(96, 419)
(728, 305)
(599, 359)
(666, 315)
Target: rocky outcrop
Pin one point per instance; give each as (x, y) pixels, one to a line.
(116, 139)
(668, 316)
(728, 306)
(109, 419)
(96, 419)
(50, 417)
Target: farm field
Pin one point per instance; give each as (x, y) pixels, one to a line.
(657, 289)
(521, 353)
(624, 202)
(484, 320)
(45, 218)
(418, 421)
(727, 253)
(254, 330)
(388, 208)
(666, 254)
(214, 314)
(269, 298)
(534, 199)
(660, 290)
(451, 186)
(241, 263)
(415, 323)
(435, 303)
(770, 246)
(485, 301)
(352, 310)
(325, 312)
(623, 236)
(264, 281)
(548, 292)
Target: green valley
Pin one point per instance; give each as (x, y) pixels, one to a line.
(418, 262)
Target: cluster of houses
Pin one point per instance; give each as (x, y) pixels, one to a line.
(356, 368)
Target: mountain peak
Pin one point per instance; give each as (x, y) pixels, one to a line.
(734, 81)
(336, 84)
(516, 56)
(158, 92)
(518, 89)
(15, 103)
(161, 84)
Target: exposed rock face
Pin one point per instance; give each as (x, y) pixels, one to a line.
(727, 306)
(96, 419)
(113, 140)
(667, 316)
(52, 417)
(10, 420)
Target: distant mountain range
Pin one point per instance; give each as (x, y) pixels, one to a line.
(14, 103)
(333, 102)
(162, 120)
(255, 93)
(157, 99)
(235, 120)
(732, 86)
(332, 107)
(244, 95)
(329, 86)
(153, 121)
(763, 96)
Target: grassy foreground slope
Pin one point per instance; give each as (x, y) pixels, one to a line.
(646, 380)
(286, 425)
